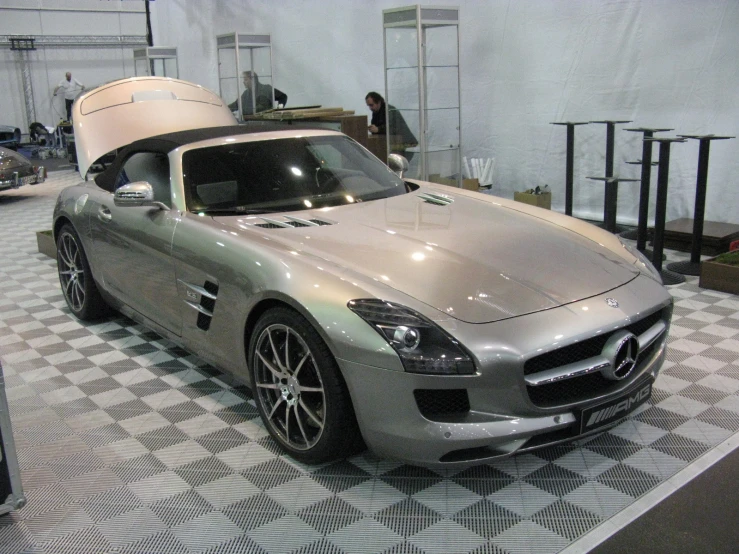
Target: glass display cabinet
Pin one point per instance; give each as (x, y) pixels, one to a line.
(422, 90)
(160, 61)
(237, 53)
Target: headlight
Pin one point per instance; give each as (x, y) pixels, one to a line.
(422, 345)
(642, 261)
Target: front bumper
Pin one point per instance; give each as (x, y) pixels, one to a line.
(501, 418)
(392, 426)
(17, 180)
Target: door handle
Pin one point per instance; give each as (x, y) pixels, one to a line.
(104, 214)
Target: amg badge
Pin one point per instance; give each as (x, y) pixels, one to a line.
(604, 414)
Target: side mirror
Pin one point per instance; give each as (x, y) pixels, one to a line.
(139, 193)
(397, 164)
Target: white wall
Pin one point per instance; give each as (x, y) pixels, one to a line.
(524, 64)
(660, 63)
(89, 65)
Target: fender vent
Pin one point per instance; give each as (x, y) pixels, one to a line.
(436, 198)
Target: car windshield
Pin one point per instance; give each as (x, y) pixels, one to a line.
(284, 175)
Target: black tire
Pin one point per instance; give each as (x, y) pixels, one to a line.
(299, 390)
(78, 286)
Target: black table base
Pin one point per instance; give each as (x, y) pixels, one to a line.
(686, 268)
(671, 278)
(629, 234)
(700, 205)
(663, 170)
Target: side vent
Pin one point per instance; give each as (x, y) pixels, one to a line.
(208, 294)
(319, 222)
(436, 199)
(208, 303)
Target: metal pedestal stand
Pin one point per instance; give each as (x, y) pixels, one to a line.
(569, 170)
(668, 277)
(693, 267)
(609, 204)
(609, 215)
(646, 175)
(633, 234)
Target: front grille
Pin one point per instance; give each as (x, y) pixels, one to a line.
(583, 388)
(588, 386)
(584, 349)
(436, 403)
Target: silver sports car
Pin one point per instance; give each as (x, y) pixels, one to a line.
(432, 324)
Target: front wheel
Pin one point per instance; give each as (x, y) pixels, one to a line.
(299, 390)
(78, 286)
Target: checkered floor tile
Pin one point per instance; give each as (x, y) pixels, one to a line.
(128, 444)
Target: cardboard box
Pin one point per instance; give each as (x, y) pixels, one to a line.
(543, 200)
(467, 184)
(45, 243)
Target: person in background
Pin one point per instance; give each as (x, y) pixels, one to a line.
(379, 123)
(71, 88)
(262, 94)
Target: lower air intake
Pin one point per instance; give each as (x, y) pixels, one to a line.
(435, 404)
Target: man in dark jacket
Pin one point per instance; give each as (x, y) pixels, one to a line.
(262, 99)
(398, 128)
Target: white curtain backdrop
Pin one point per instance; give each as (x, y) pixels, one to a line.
(524, 64)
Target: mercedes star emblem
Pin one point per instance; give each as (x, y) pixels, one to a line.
(621, 350)
(612, 302)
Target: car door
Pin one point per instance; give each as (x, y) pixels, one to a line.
(133, 244)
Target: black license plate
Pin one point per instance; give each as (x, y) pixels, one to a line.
(613, 410)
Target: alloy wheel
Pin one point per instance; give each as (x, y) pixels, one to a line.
(71, 272)
(289, 386)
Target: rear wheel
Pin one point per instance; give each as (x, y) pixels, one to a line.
(78, 286)
(299, 390)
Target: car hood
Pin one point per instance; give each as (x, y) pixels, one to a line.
(474, 259)
(118, 113)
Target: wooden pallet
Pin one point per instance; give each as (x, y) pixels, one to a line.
(305, 113)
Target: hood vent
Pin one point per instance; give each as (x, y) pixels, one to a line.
(289, 222)
(436, 198)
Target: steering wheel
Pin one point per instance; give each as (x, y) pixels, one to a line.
(330, 183)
